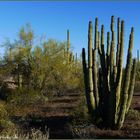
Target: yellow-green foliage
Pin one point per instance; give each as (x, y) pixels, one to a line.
(23, 97)
(6, 126)
(42, 67)
(51, 73)
(133, 114)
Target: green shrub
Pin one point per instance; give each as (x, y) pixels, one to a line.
(80, 114)
(6, 126)
(3, 111)
(5, 91)
(133, 114)
(137, 86)
(23, 96)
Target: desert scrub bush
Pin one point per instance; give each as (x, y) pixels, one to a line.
(80, 114)
(5, 91)
(6, 125)
(23, 96)
(137, 86)
(133, 114)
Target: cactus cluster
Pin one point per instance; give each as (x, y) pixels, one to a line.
(70, 57)
(108, 85)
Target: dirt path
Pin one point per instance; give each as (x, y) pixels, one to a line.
(56, 115)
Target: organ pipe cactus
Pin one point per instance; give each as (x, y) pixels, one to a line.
(69, 55)
(90, 64)
(68, 45)
(108, 91)
(138, 55)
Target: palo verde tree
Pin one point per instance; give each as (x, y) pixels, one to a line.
(43, 67)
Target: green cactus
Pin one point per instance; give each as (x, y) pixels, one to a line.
(138, 56)
(85, 70)
(96, 34)
(95, 79)
(20, 81)
(119, 70)
(68, 55)
(126, 83)
(68, 46)
(90, 65)
(118, 40)
(111, 97)
(108, 92)
(132, 84)
(76, 58)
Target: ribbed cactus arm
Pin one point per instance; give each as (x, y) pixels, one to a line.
(127, 76)
(90, 66)
(108, 59)
(118, 40)
(68, 45)
(108, 44)
(131, 85)
(96, 33)
(119, 70)
(112, 52)
(85, 71)
(95, 78)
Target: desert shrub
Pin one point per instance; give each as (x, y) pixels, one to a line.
(6, 125)
(5, 91)
(3, 112)
(133, 114)
(60, 75)
(24, 96)
(137, 86)
(80, 114)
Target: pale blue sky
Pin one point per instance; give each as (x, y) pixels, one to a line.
(54, 18)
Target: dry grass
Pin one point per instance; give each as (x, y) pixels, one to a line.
(34, 134)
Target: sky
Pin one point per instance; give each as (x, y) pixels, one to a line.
(52, 19)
